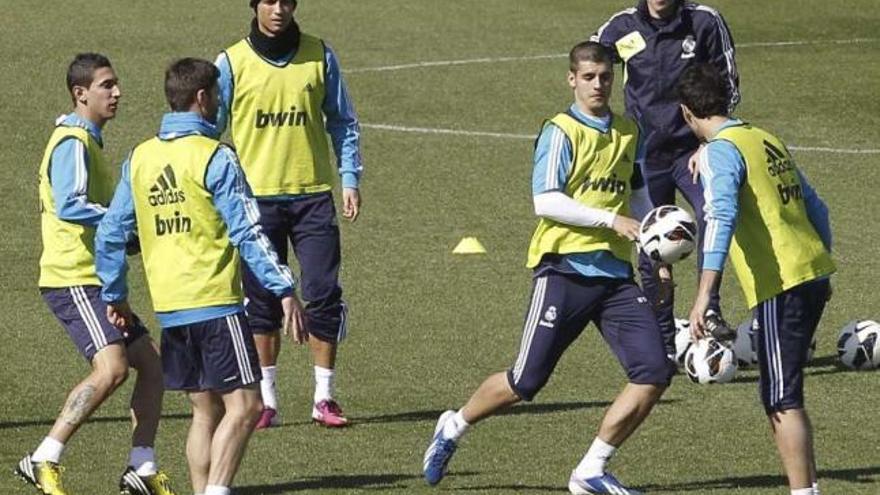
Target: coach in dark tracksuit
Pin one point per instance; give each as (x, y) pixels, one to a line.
(656, 41)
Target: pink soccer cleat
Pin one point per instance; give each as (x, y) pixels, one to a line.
(328, 413)
(268, 419)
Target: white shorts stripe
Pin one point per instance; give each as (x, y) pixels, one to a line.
(781, 379)
(530, 326)
(88, 316)
(768, 352)
(241, 356)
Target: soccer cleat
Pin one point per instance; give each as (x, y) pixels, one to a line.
(269, 418)
(44, 476)
(132, 483)
(439, 453)
(328, 413)
(719, 328)
(605, 484)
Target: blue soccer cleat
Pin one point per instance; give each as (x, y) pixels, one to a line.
(439, 452)
(605, 484)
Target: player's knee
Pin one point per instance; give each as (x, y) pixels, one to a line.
(527, 386)
(111, 376)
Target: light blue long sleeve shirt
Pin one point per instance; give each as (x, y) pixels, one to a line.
(69, 176)
(341, 120)
(553, 160)
(722, 174)
(234, 201)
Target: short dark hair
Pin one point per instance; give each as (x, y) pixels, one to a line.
(588, 51)
(184, 78)
(81, 71)
(255, 2)
(704, 91)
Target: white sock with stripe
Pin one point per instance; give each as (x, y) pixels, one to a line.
(267, 387)
(49, 450)
(217, 490)
(324, 386)
(455, 427)
(597, 456)
(803, 491)
(143, 460)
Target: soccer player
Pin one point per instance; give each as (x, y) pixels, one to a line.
(187, 198)
(76, 184)
(762, 211)
(585, 176)
(281, 91)
(656, 41)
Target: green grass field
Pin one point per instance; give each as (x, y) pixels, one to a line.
(426, 325)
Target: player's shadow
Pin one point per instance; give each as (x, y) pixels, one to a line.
(526, 408)
(102, 419)
(367, 482)
(865, 475)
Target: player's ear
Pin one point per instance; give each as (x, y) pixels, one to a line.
(571, 77)
(79, 94)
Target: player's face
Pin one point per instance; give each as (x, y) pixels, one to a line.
(661, 8)
(592, 86)
(275, 16)
(101, 98)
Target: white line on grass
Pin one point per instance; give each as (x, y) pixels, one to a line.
(490, 60)
(505, 135)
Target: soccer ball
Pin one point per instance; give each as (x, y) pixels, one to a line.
(709, 361)
(745, 348)
(668, 234)
(858, 346)
(682, 339)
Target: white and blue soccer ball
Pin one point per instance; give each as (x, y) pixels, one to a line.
(710, 361)
(683, 340)
(858, 345)
(745, 347)
(668, 234)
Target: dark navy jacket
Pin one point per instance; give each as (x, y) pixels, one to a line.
(655, 53)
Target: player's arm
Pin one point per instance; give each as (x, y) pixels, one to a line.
(69, 175)
(345, 133)
(722, 54)
(224, 86)
(233, 199)
(722, 172)
(817, 211)
(116, 229)
(640, 202)
(552, 165)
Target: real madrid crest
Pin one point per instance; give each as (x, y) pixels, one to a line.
(550, 314)
(688, 45)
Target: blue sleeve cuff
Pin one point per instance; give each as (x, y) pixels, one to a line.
(714, 261)
(350, 180)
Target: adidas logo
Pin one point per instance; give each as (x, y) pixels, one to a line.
(164, 191)
(289, 118)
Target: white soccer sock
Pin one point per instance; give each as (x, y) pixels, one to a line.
(593, 463)
(803, 491)
(49, 450)
(217, 490)
(267, 387)
(816, 488)
(455, 426)
(324, 378)
(143, 460)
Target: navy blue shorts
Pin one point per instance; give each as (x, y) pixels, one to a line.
(217, 355)
(83, 314)
(563, 305)
(786, 325)
(311, 226)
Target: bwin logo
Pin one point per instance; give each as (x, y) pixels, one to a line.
(164, 191)
(281, 119)
(178, 224)
(605, 184)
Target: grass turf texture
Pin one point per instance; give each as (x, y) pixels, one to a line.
(428, 326)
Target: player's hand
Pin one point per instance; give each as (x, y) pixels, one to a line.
(698, 318)
(351, 203)
(626, 227)
(119, 314)
(694, 165)
(665, 283)
(294, 325)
